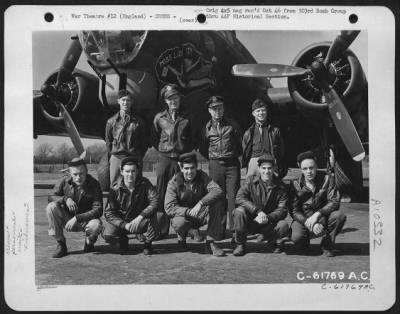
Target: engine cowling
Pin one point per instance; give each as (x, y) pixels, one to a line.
(79, 95)
(345, 75)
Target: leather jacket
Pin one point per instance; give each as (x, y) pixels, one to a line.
(126, 138)
(223, 145)
(179, 199)
(124, 206)
(89, 201)
(275, 143)
(325, 198)
(272, 200)
(169, 137)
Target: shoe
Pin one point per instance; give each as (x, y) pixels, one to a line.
(124, 245)
(278, 248)
(195, 235)
(61, 249)
(182, 247)
(240, 250)
(88, 246)
(260, 238)
(147, 249)
(214, 249)
(327, 246)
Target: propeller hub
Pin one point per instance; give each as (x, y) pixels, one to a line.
(48, 90)
(321, 73)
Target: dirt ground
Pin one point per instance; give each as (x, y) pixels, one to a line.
(167, 266)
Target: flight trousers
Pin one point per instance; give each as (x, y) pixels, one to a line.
(245, 224)
(333, 224)
(227, 176)
(112, 234)
(58, 216)
(182, 225)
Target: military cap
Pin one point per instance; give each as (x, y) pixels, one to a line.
(130, 160)
(75, 162)
(266, 158)
(169, 90)
(306, 155)
(188, 158)
(258, 103)
(123, 93)
(215, 101)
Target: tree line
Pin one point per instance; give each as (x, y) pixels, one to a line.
(61, 154)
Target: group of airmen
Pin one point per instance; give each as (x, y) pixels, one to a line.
(187, 198)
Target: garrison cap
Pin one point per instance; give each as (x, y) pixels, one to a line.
(266, 158)
(215, 101)
(306, 155)
(169, 90)
(75, 162)
(188, 158)
(123, 93)
(258, 103)
(130, 160)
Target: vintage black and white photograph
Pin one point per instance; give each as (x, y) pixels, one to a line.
(201, 160)
(212, 161)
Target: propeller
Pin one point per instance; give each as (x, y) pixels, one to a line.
(342, 41)
(267, 70)
(319, 73)
(56, 93)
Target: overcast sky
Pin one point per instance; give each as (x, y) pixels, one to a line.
(266, 46)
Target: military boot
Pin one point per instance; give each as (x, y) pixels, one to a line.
(214, 249)
(240, 250)
(327, 246)
(148, 250)
(61, 249)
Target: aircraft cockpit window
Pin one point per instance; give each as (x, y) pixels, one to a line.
(120, 46)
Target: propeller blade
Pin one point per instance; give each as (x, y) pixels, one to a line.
(344, 125)
(69, 62)
(267, 70)
(72, 131)
(343, 41)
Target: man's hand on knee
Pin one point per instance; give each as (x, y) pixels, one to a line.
(261, 218)
(72, 207)
(311, 221)
(194, 212)
(70, 224)
(133, 226)
(318, 229)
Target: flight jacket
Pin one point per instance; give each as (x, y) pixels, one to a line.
(124, 206)
(254, 198)
(169, 137)
(128, 138)
(275, 143)
(89, 201)
(225, 145)
(304, 202)
(180, 199)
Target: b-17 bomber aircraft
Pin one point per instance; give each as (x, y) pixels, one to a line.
(325, 103)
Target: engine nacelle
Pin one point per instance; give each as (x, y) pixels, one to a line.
(345, 75)
(79, 95)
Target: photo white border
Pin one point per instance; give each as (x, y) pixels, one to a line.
(21, 292)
